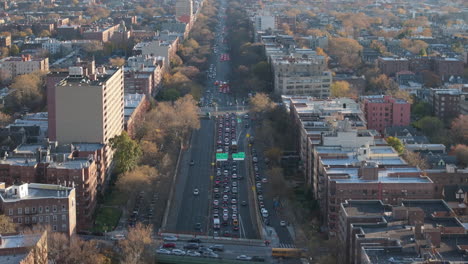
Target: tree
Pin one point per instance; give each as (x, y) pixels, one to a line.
(277, 181)
(5, 119)
(14, 50)
(137, 179)
(431, 79)
(430, 125)
(340, 89)
(421, 109)
(127, 152)
(395, 143)
(117, 61)
(401, 94)
(347, 51)
(461, 152)
(415, 159)
(261, 103)
(274, 155)
(150, 152)
(136, 247)
(27, 92)
(321, 52)
(6, 225)
(459, 130)
(382, 83)
(414, 46)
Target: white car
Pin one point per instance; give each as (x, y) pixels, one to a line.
(178, 252)
(243, 257)
(170, 238)
(118, 237)
(163, 251)
(193, 253)
(283, 223)
(196, 192)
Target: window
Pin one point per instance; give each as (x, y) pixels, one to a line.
(26, 220)
(41, 219)
(63, 208)
(64, 217)
(54, 228)
(33, 219)
(47, 219)
(40, 209)
(47, 209)
(26, 210)
(20, 211)
(10, 211)
(33, 210)
(54, 208)
(20, 220)
(64, 227)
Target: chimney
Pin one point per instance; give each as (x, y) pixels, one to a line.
(399, 213)
(418, 231)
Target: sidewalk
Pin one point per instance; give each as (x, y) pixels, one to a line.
(270, 234)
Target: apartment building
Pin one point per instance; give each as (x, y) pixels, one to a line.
(371, 172)
(30, 204)
(446, 102)
(136, 105)
(100, 118)
(184, 10)
(383, 111)
(301, 75)
(390, 66)
(314, 117)
(14, 66)
(143, 74)
(158, 48)
(23, 248)
(79, 166)
(412, 231)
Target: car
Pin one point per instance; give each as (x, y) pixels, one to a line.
(234, 189)
(215, 234)
(244, 203)
(243, 257)
(282, 223)
(118, 237)
(192, 245)
(210, 255)
(226, 234)
(216, 211)
(233, 201)
(169, 245)
(178, 252)
(217, 195)
(234, 176)
(234, 207)
(234, 216)
(215, 202)
(163, 251)
(197, 226)
(264, 180)
(227, 189)
(196, 192)
(258, 185)
(225, 217)
(193, 253)
(234, 184)
(258, 259)
(219, 248)
(170, 238)
(192, 163)
(260, 197)
(215, 190)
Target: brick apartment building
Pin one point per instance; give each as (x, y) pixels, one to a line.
(14, 66)
(390, 66)
(447, 67)
(68, 165)
(136, 105)
(412, 231)
(446, 103)
(24, 249)
(382, 111)
(40, 204)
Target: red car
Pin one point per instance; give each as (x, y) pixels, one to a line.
(169, 245)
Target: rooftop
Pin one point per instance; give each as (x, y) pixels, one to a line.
(386, 175)
(355, 208)
(33, 191)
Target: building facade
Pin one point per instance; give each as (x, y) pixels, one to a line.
(44, 204)
(385, 111)
(13, 66)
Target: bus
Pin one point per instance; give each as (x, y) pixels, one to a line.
(287, 252)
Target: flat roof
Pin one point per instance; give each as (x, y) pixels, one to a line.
(88, 146)
(364, 208)
(70, 164)
(383, 175)
(37, 190)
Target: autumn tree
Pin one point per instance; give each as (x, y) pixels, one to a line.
(5, 119)
(340, 89)
(401, 94)
(396, 143)
(274, 155)
(414, 46)
(27, 92)
(150, 152)
(137, 179)
(278, 182)
(6, 225)
(347, 51)
(135, 249)
(382, 83)
(261, 103)
(117, 61)
(459, 130)
(461, 152)
(415, 159)
(127, 152)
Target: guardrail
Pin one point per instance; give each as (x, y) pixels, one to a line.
(219, 240)
(172, 259)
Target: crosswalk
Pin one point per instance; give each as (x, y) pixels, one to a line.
(285, 245)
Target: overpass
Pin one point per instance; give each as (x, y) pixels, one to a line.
(172, 259)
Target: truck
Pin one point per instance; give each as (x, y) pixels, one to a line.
(234, 146)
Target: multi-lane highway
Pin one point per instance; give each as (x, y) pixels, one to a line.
(192, 204)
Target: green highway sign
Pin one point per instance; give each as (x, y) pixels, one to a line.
(238, 156)
(239, 120)
(222, 156)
